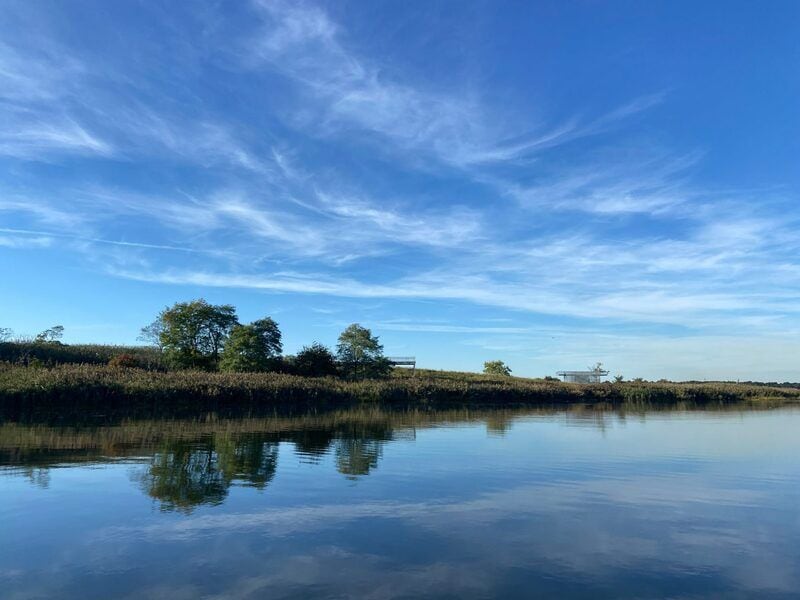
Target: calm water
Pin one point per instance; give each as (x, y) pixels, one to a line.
(376, 505)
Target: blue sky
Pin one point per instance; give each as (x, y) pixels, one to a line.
(551, 184)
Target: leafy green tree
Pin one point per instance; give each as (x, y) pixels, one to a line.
(360, 353)
(51, 336)
(193, 334)
(253, 347)
(315, 361)
(496, 367)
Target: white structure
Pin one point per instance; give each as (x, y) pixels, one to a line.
(403, 361)
(595, 375)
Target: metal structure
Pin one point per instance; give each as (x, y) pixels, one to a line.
(403, 361)
(595, 375)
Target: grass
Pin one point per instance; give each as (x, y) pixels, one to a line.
(52, 354)
(74, 391)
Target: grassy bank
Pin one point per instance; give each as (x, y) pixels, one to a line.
(53, 354)
(74, 390)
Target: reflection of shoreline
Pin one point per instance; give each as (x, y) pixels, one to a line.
(310, 432)
(129, 436)
(186, 463)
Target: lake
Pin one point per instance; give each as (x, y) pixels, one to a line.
(581, 503)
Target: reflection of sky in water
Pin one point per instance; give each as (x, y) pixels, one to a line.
(675, 504)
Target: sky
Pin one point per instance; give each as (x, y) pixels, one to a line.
(545, 183)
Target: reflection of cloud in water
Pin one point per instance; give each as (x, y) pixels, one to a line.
(672, 505)
(540, 528)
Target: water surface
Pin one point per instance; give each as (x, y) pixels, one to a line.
(371, 504)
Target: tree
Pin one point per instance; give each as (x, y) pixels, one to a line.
(253, 347)
(151, 334)
(496, 367)
(50, 336)
(315, 361)
(5, 334)
(360, 353)
(618, 378)
(193, 333)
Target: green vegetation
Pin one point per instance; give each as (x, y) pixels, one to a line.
(315, 361)
(253, 348)
(360, 353)
(75, 390)
(37, 354)
(201, 358)
(192, 334)
(496, 367)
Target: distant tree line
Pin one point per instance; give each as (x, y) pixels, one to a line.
(200, 335)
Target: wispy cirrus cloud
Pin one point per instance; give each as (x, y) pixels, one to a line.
(53, 104)
(22, 241)
(273, 146)
(301, 42)
(631, 182)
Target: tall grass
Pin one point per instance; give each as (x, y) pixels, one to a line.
(84, 390)
(54, 353)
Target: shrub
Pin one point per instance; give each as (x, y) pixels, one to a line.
(315, 361)
(252, 348)
(124, 360)
(496, 367)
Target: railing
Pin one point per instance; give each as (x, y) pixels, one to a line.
(410, 361)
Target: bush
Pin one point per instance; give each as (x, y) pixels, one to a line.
(124, 361)
(252, 348)
(496, 367)
(50, 354)
(315, 361)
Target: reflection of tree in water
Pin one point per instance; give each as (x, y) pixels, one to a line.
(357, 456)
(183, 474)
(39, 476)
(498, 424)
(251, 460)
(358, 448)
(311, 444)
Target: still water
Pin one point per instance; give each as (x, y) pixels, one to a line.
(371, 504)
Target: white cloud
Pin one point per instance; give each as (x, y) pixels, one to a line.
(301, 42)
(17, 241)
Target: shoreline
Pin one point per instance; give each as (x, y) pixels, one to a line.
(70, 391)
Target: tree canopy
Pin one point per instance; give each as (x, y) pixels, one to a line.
(360, 353)
(496, 367)
(193, 334)
(253, 347)
(51, 335)
(315, 361)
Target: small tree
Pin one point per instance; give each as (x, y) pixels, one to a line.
(618, 379)
(5, 334)
(193, 333)
(360, 353)
(253, 347)
(496, 367)
(315, 361)
(50, 336)
(151, 334)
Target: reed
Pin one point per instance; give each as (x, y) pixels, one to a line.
(73, 390)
